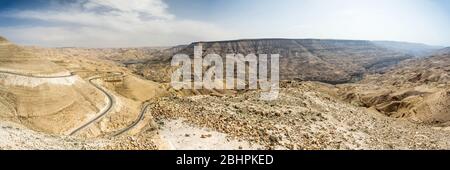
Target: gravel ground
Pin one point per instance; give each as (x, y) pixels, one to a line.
(302, 118)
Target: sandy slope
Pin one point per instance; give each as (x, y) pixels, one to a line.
(33, 94)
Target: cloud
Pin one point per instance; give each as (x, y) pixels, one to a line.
(109, 23)
(154, 8)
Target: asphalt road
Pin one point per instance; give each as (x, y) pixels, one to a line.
(101, 114)
(104, 112)
(139, 118)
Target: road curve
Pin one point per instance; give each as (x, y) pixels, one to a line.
(105, 111)
(135, 122)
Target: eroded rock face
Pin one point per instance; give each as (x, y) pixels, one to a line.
(416, 89)
(330, 61)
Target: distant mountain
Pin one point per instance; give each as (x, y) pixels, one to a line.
(443, 51)
(415, 49)
(330, 61)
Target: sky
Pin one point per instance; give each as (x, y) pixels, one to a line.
(138, 23)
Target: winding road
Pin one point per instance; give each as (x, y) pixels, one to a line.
(108, 108)
(135, 122)
(101, 114)
(104, 111)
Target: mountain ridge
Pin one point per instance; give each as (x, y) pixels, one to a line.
(325, 60)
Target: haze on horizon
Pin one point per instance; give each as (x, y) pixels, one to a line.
(118, 23)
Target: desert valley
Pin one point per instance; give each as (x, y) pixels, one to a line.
(335, 94)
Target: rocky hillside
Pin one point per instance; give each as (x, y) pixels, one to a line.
(443, 51)
(417, 89)
(330, 61)
(40, 94)
(305, 116)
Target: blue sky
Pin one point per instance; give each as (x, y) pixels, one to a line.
(119, 23)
